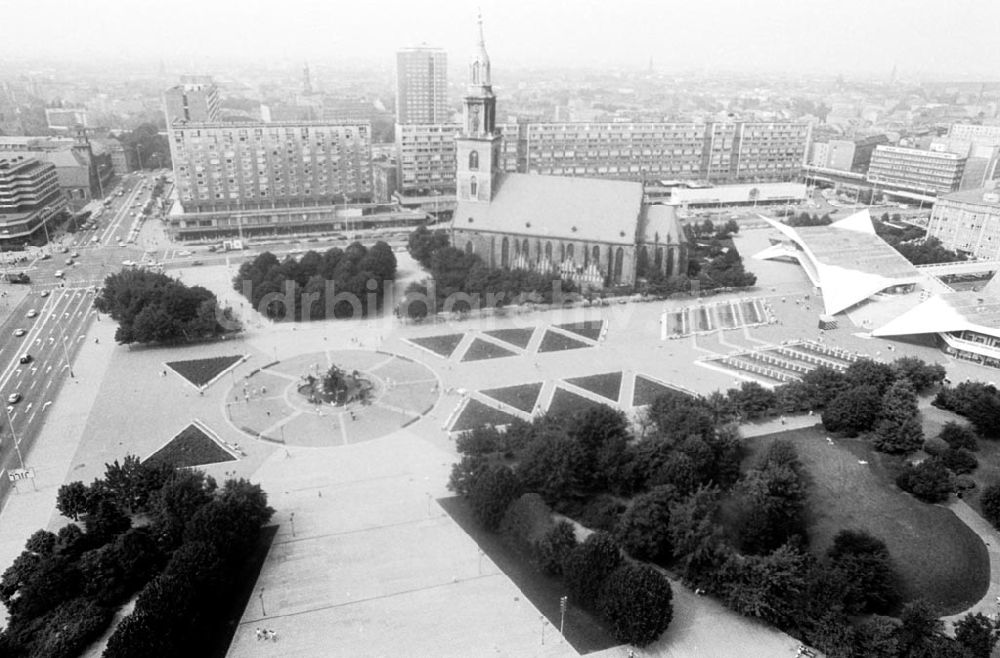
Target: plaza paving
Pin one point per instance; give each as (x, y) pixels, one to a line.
(369, 564)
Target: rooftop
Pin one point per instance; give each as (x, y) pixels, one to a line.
(974, 196)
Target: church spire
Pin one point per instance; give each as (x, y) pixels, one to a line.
(479, 69)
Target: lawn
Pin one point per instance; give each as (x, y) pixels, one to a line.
(568, 403)
(586, 633)
(442, 345)
(590, 329)
(522, 396)
(201, 371)
(517, 337)
(480, 350)
(556, 342)
(476, 414)
(191, 447)
(606, 385)
(646, 390)
(938, 557)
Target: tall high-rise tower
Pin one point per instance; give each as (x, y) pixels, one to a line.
(422, 86)
(307, 87)
(477, 147)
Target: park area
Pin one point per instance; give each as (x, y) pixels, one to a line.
(938, 557)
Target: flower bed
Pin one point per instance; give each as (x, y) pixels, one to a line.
(442, 345)
(517, 337)
(606, 385)
(191, 447)
(589, 329)
(480, 350)
(522, 396)
(202, 371)
(557, 342)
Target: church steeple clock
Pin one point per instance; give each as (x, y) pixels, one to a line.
(478, 145)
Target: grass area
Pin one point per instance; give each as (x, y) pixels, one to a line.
(517, 337)
(608, 385)
(554, 341)
(201, 371)
(568, 403)
(481, 350)
(585, 632)
(646, 390)
(937, 556)
(477, 414)
(522, 396)
(988, 471)
(192, 447)
(589, 329)
(442, 345)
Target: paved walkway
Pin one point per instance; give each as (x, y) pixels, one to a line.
(988, 605)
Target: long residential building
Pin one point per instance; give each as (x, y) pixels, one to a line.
(969, 222)
(219, 167)
(916, 170)
(714, 152)
(422, 86)
(29, 198)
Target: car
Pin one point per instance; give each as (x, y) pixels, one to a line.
(20, 332)
(44, 293)
(13, 398)
(75, 254)
(25, 358)
(32, 313)
(59, 274)
(69, 262)
(184, 253)
(44, 257)
(62, 250)
(195, 263)
(95, 239)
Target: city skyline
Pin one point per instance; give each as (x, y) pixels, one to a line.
(770, 36)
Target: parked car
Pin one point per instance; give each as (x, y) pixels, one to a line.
(44, 293)
(25, 358)
(32, 313)
(14, 398)
(20, 332)
(17, 277)
(59, 274)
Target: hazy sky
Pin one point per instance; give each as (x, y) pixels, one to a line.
(919, 36)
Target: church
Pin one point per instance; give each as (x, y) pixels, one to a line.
(594, 232)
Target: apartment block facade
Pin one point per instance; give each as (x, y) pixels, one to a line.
(925, 172)
(715, 152)
(270, 165)
(422, 86)
(969, 222)
(196, 99)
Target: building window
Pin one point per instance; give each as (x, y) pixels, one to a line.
(473, 160)
(505, 253)
(473, 187)
(468, 247)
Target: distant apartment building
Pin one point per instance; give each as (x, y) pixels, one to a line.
(845, 154)
(916, 170)
(385, 181)
(30, 198)
(195, 99)
(969, 222)
(83, 170)
(715, 152)
(975, 133)
(422, 86)
(65, 118)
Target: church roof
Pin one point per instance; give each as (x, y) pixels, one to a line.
(585, 209)
(659, 224)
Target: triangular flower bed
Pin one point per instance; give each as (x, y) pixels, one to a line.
(191, 447)
(567, 403)
(522, 396)
(476, 414)
(606, 385)
(202, 371)
(517, 337)
(557, 342)
(481, 349)
(590, 329)
(442, 345)
(647, 390)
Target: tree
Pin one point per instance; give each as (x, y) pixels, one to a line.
(771, 501)
(990, 503)
(959, 461)
(753, 400)
(644, 528)
(959, 436)
(899, 430)
(637, 600)
(765, 586)
(865, 372)
(491, 491)
(106, 522)
(872, 581)
(978, 634)
(422, 244)
(694, 536)
(853, 411)
(922, 376)
(589, 565)
(918, 629)
(72, 500)
(555, 466)
(176, 502)
(930, 481)
(553, 549)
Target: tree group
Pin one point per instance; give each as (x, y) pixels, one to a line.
(154, 308)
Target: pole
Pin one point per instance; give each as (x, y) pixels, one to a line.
(291, 519)
(66, 353)
(544, 622)
(138, 152)
(17, 444)
(562, 613)
(261, 597)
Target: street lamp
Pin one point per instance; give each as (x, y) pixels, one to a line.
(17, 444)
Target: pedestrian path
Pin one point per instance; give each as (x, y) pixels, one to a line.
(989, 605)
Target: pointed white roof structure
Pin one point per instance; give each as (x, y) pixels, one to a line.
(846, 259)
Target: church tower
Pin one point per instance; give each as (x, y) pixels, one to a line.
(477, 147)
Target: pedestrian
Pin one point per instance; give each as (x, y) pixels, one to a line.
(260, 634)
(97, 340)
(274, 636)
